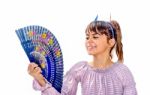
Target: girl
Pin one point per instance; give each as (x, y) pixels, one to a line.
(102, 76)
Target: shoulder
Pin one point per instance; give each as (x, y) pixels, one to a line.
(124, 73)
(79, 66)
(76, 71)
(122, 68)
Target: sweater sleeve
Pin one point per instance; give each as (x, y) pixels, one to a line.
(70, 83)
(46, 90)
(129, 85)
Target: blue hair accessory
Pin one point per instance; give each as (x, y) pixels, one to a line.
(112, 30)
(96, 18)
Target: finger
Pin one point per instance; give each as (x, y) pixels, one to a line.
(31, 67)
(33, 64)
(39, 76)
(37, 70)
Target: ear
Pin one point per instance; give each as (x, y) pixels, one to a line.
(112, 42)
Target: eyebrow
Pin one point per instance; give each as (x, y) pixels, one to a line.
(92, 34)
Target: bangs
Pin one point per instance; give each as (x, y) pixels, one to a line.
(101, 27)
(98, 27)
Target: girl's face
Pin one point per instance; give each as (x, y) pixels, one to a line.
(96, 43)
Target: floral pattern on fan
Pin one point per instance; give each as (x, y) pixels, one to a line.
(42, 47)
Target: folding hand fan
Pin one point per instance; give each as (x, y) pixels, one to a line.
(42, 47)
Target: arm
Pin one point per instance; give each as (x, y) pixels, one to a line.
(39, 82)
(129, 84)
(69, 86)
(130, 90)
(45, 90)
(70, 83)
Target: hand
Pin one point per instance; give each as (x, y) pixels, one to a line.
(35, 72)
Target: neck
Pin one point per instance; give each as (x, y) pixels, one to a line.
(102, 61)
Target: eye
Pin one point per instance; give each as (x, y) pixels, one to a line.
(95, 37)
(87, 38)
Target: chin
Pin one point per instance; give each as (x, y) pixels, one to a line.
(91, 53)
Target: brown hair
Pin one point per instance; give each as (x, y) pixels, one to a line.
(119, 45)
(111, 30)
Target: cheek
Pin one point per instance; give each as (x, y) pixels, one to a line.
(86, 45)
(102, 45)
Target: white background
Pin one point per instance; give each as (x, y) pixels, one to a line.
(67, 19)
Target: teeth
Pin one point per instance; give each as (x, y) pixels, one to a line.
(91, 47)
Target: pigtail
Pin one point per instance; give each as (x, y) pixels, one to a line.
(119, 45)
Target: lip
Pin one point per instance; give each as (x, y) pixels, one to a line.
(91, 47)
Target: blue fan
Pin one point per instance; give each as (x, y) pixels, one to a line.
(42, 47)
